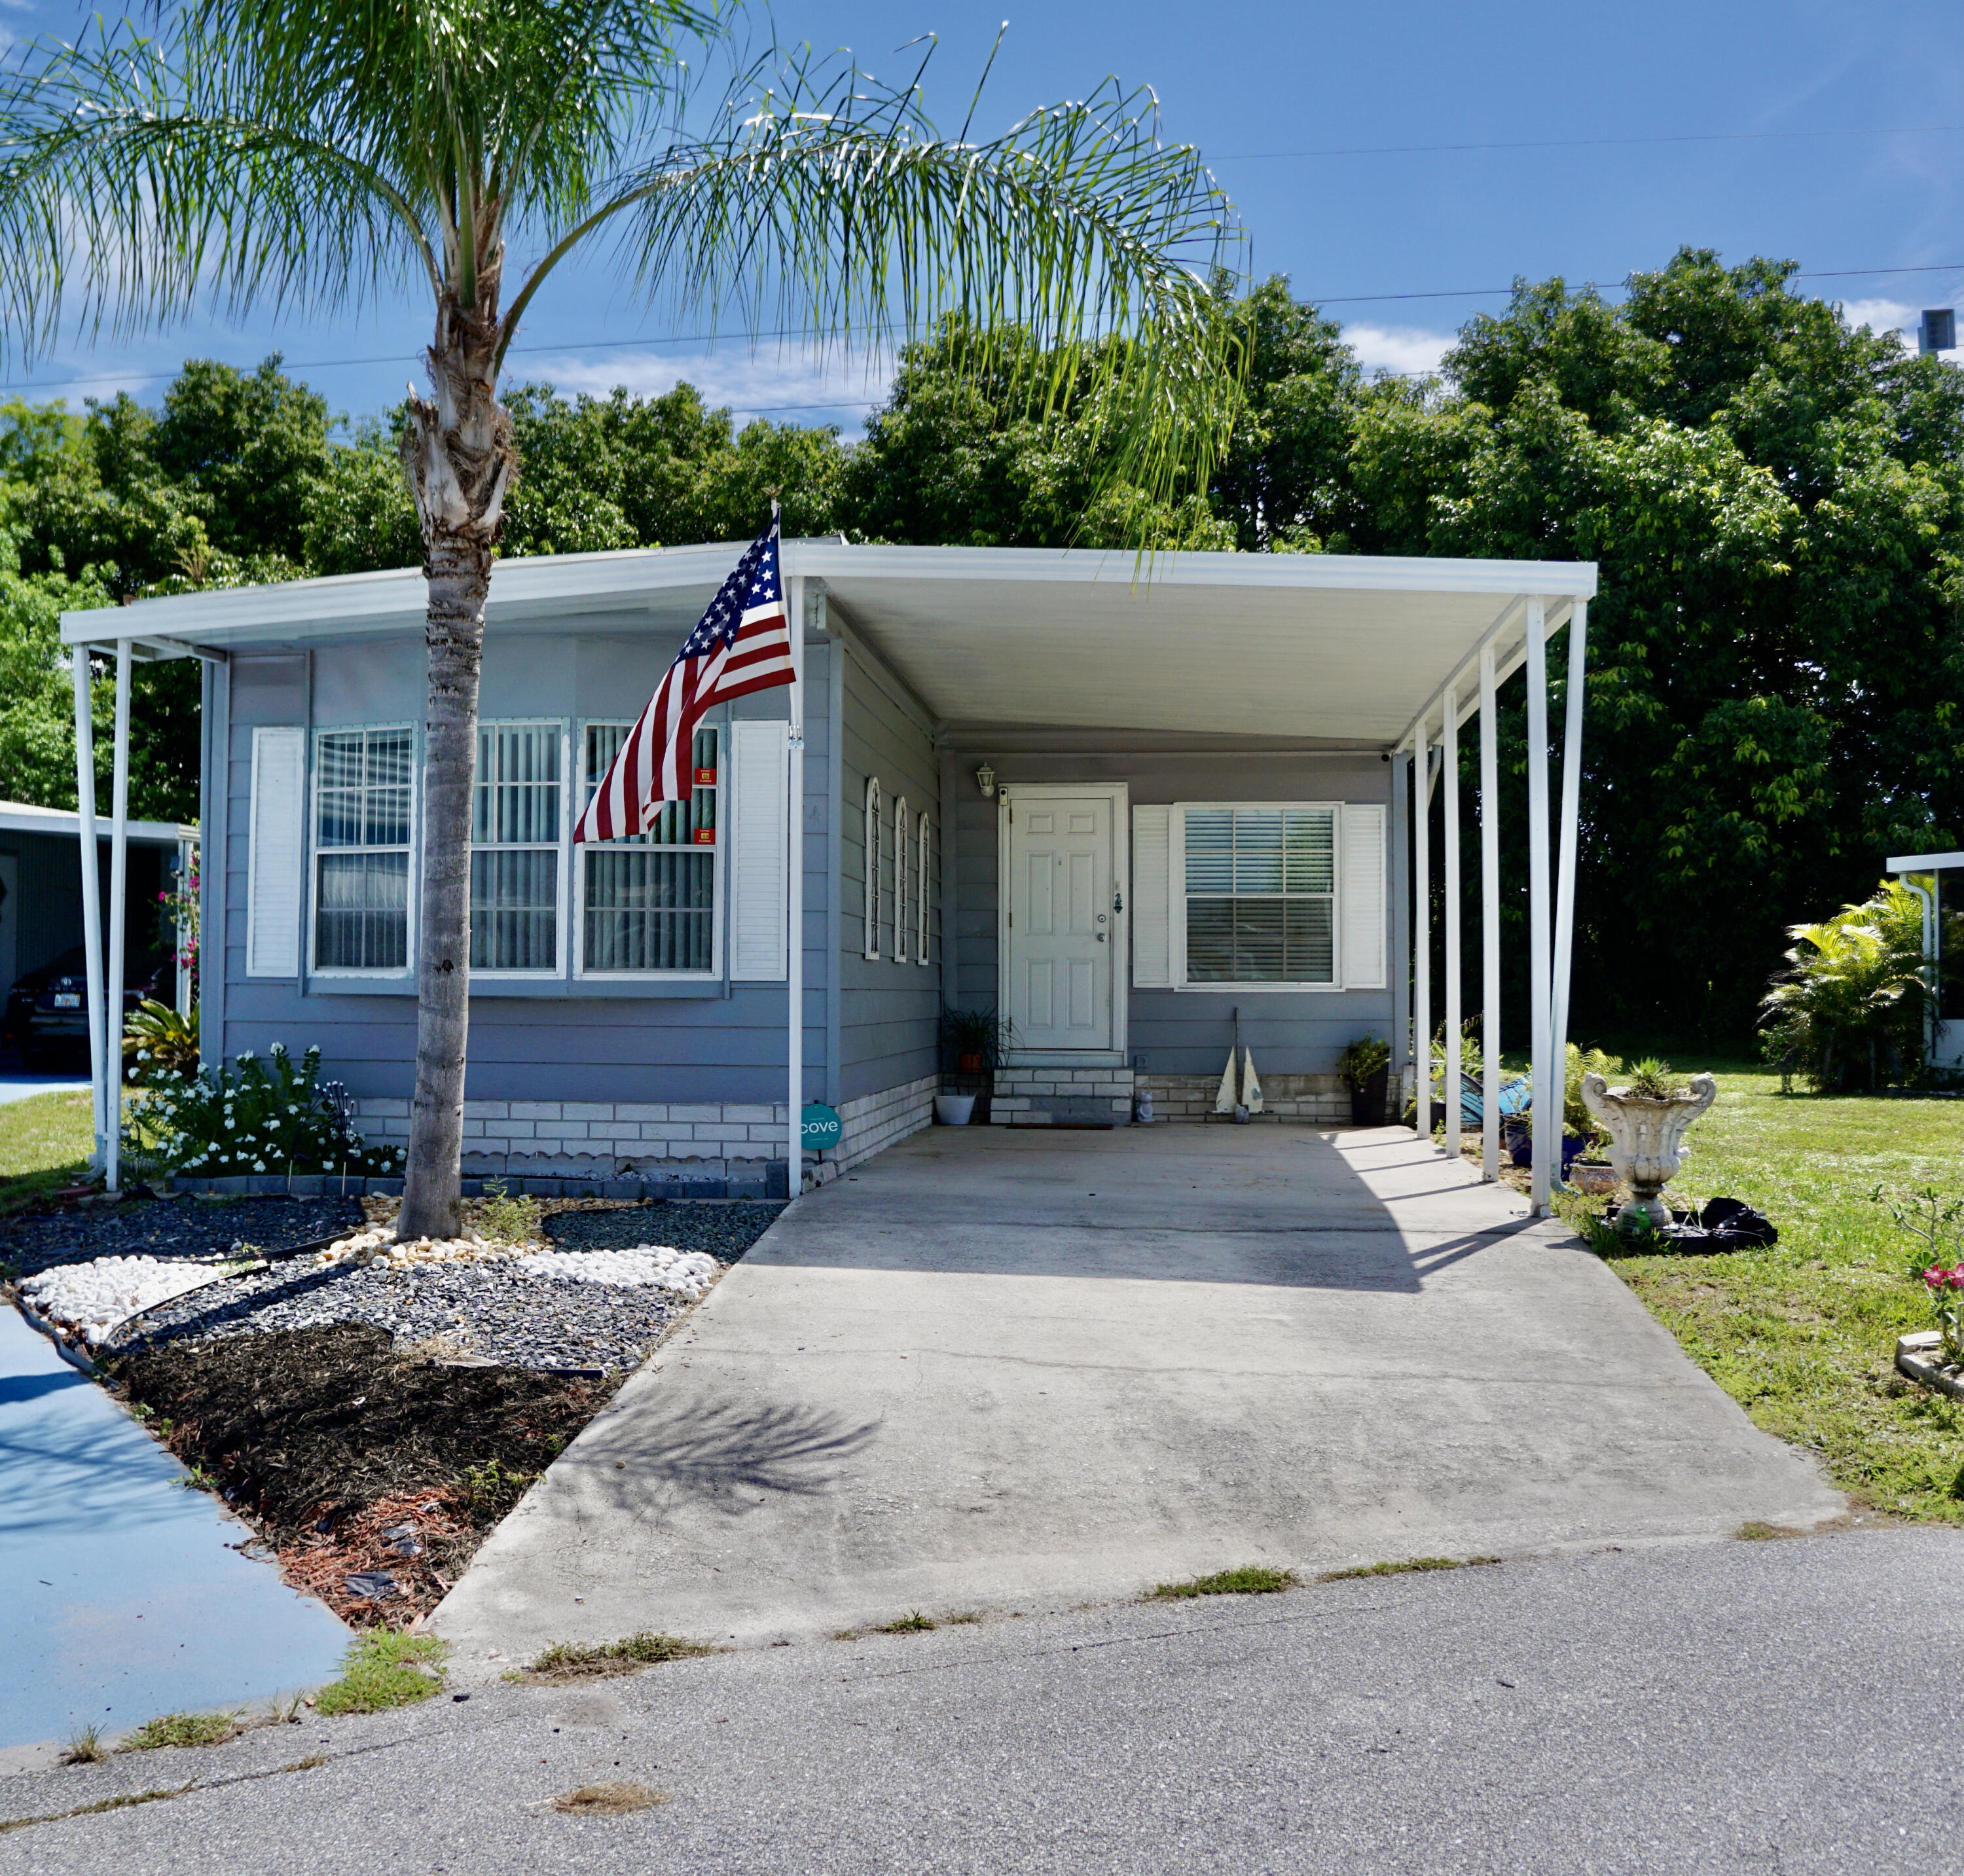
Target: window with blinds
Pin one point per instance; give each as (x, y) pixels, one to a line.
(647, 903)
(1260, 894)
(516, 812)
(363, 780)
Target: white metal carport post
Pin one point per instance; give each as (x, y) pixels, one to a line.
(1421, 928)
(118, 878)
(91, 892)
(794, 903)
(1547, 1117)
(1564, 885)
(1449, 769)
(1490, 921)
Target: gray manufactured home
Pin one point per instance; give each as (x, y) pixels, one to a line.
(1127, 804)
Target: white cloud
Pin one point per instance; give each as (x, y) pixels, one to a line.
(786, 385)
(1406, 350)
(1881, 315)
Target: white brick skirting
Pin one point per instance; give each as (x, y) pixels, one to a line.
(876, 1121)
(1040, 1097)
(699, 1149)
(1324, 1099)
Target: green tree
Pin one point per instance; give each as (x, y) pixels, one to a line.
(1776, 671)
(259, 153)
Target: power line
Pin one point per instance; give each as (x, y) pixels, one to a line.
(1591, 143)
(844, 403)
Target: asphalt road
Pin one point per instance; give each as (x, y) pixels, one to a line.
(1782, 1706)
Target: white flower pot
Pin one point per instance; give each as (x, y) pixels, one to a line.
(953, 1110)
(1646, 1139)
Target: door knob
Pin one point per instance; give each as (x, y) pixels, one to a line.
(1101, 937)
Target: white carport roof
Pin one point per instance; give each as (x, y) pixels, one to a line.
(1317, 647)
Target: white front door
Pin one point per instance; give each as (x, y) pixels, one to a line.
(1060, 916)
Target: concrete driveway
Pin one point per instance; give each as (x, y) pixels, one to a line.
(1024, 1370)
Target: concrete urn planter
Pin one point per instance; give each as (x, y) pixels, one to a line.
(1646, 1139)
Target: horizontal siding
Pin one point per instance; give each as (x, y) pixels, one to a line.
(712, 1047)
(1177, 1032)
(888, 1011)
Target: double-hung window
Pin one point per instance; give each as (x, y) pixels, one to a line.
(517, 812)
(363, 785)
(1259, 894)
(648, 903)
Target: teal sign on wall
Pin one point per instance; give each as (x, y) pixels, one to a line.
(822, 1127)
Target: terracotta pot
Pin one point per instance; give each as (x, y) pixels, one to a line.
(1596, 1179)
(968, 1064)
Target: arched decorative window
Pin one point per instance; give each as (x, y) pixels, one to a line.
(900, 880)
(920, 900)
(872, 866)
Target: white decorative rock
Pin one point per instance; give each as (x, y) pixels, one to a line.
(1646, 1139)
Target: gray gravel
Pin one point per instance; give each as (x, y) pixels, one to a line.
(1775, 1708)
(184, 1226)
(482, 1311)
(726, 1229)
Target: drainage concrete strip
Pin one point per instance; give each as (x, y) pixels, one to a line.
(124, 1598)
(1022, 1370)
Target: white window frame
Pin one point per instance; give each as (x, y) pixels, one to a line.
(872, 857)
(920, 902)
(1177, 894)
(315, 850)
(900, 880)
(719, 865)
(562, 925)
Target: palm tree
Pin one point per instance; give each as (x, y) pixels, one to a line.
(299, 155)
(1857, 985)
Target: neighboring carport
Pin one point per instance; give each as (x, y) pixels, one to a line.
(1022, 1370)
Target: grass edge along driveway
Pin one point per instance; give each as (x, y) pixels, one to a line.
(1802, 1333)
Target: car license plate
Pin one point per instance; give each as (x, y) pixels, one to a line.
(68, 999)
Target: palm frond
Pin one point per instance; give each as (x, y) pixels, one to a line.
(825, 203)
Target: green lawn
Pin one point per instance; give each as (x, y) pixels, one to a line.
(44, 1141)
(1802, 1334)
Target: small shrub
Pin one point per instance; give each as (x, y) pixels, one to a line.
(1935, 1226)
(158, 1041)
(385, 1669)
(507, 1220)
(271, 1116)
(183, 1729)
(1251, 1580)
(492, 1486)
(565, 1661)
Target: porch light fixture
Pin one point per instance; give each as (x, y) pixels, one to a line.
(985, 780)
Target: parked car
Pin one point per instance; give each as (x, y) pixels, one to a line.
(47, 1018)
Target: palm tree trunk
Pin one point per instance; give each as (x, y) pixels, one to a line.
(458, 453)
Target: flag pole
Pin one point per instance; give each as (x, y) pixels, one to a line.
(795, 898)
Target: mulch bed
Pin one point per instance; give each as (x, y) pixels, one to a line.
(350, 1458)
(53, 1233)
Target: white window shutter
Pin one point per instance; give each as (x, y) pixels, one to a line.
(276, 858)
(1363, 883)
(759, 852)
(1152, 898)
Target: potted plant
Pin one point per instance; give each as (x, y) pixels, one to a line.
(1365, 1066)
(1583, 1164)
(972, 1043)
(1647, 1121)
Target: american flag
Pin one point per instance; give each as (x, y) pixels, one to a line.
(742, 643)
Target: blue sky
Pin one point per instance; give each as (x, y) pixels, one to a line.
(1824, 133)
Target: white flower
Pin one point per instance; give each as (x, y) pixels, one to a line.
(259, 1165)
